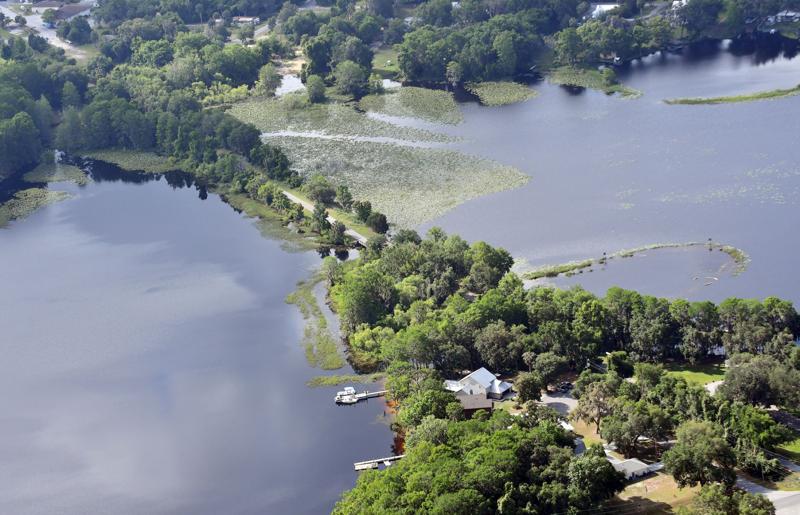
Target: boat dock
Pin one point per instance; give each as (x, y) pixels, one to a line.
(373, 464)
(349, 395)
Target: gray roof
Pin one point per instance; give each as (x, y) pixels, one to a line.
(473, 402)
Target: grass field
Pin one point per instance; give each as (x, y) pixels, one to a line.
(586, 431)
(791, 449)
(657, 494)
(384, 63)
(762, 95)
(700, 374)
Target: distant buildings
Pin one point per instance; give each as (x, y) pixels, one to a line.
(246, 20)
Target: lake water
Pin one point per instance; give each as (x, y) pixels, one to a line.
(610, 174)
(150, 364)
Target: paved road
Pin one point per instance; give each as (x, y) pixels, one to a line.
(310, 207)
(786, 503)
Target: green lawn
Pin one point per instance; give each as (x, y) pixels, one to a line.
(700, 374)
(384, 63)
(791, 449)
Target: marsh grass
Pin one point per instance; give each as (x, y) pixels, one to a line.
(26, 202)
(320, 348)
(134, 161)
(337, 380)
(739, 257)
(762, 95)
(432, 105)
(500, 93)
(57, 172)
(591, 79)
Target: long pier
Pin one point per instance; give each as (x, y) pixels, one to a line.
(373, 464)
(353, 398)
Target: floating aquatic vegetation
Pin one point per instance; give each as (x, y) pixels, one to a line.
(740, 258)
(591, 79)
(293, 113)
(320, 348)
(337, 380)
(410, 185)
(25, 202)
(134, 160)
(57, 172)
(762, 95)
(432, 105)
(501, 93)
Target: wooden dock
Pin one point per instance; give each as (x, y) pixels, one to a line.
(373, 464)
(356, 397)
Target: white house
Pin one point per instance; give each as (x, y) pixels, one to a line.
(480, 382)
(600, 9)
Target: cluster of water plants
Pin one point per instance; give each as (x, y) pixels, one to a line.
(320, 348)
(500, 93)
(604, 80)
(750, 97)
(432, 105)
(27, 201)
(57, 172)
(739, 257)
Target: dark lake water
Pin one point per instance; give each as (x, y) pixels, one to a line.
(150, 364)
(610, 174)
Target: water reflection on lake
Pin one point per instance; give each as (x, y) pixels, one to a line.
(610, 174)
(151, 365)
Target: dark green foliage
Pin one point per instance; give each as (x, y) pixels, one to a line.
(319, 190)
(715, 499)
(700, 456)
(351, 79)
(377, 222)
(315, 88)
(485, 465)
(363, 209)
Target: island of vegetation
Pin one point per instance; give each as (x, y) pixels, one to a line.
(763, 95)
(739, 257)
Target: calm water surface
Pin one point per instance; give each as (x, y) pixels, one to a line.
(610, 174)
(150, 364)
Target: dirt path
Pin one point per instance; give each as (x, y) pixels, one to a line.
(310, 207)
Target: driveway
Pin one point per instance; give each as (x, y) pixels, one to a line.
(562, 402)
(786, 503)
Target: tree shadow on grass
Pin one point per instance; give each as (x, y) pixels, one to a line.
(639, 505)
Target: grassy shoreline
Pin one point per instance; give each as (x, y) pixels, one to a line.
(740, 258)
(735, 99)
(320, 348)
(337, 380)
(57, 172)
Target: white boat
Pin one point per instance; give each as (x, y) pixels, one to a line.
(346, 396)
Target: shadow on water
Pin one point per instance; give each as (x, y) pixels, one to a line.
(101, 171)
